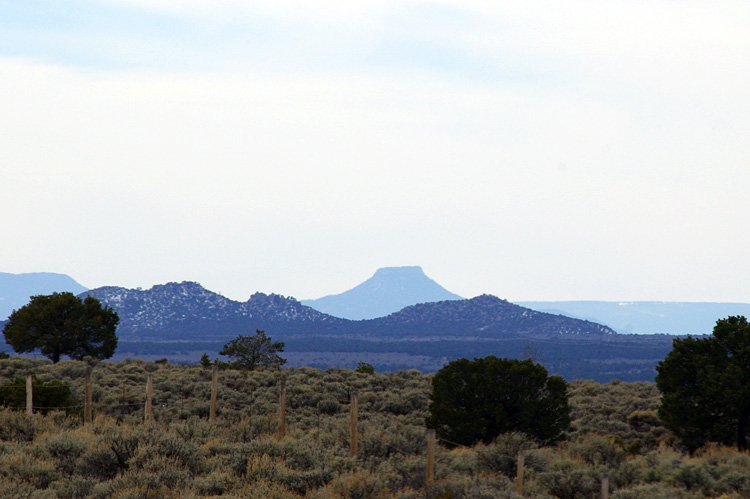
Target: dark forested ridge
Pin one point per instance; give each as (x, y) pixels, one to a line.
(180, 321)
(188, 312)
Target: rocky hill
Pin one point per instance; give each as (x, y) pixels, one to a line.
(188, 312)
(484, 316)
(180, 321)
(389, 290)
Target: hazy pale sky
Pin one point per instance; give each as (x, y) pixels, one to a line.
(537, 150)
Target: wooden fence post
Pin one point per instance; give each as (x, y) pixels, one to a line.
(214, 393)
(282, 409)
(29, 395)
(88, 415)
(519, 473)
(605, 486)
(431, 441)
(149, 410)
(353, 444)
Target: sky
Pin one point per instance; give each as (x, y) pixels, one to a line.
(539, 150)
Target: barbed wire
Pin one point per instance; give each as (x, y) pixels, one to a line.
(18, 387)
(399, 450)
(449, 442)
(35, 388)
(101, 405)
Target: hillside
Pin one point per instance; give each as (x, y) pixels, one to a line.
(188, 312)
(389, 290)
(484, 316)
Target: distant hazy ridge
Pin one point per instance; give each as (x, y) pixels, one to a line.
(646, 317)
(16, 289)
(389, 290)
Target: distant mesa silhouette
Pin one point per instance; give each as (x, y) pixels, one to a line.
(389, 290)
(16, 289)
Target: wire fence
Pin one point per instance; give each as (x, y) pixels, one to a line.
(147, 402)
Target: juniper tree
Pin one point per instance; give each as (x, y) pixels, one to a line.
(705, 386)
(249, 352)
(475, 401)
(63, 324)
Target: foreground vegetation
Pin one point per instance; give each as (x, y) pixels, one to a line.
(614, 430)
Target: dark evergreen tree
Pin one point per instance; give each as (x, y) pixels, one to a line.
(365, 368)
(478, 400)
(705, 386)
(249, 352)
(63, 324)
(205, 361)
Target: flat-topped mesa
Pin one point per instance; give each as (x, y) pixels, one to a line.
(413, 270)
(389, 290)
(16, 289)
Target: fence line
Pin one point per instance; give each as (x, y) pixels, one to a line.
(148, 405)
(29, 395)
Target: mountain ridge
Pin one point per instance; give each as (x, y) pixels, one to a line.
(181, 321)
(176, 310)
(171, 310)
(422, 336)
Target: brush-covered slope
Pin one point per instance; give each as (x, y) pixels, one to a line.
(189, 312)
(186, 311)
(482, 316)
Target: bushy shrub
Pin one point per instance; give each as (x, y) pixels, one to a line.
(329, 406)
(66, 449)
(501, 455)
(18, 427)
(597, 450)
(567, 479)
(359, 485)
(215, 484)
(694, 476)
(39, 473)
(653, 491)
(481, 487)
(73, 487)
